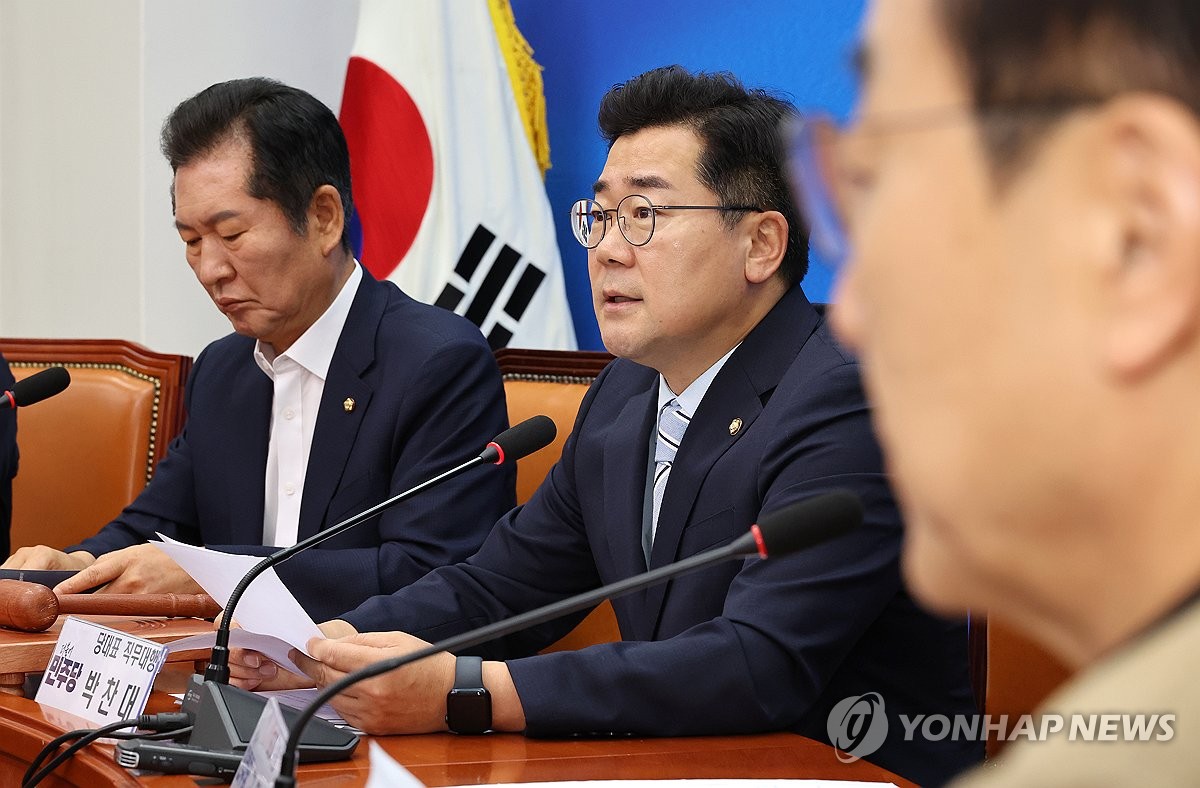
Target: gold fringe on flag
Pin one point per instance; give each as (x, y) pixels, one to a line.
(526, 77)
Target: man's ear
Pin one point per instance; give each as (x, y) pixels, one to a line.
(768, 237)
(326, 218)
(1152, 285)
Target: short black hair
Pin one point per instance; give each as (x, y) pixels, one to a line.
(296, 144)
(742, 158)
(1068, 54)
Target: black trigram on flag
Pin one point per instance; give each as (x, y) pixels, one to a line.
(506, 278)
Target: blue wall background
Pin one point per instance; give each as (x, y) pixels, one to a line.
(799, 48)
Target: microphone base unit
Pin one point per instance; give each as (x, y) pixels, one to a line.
(224, 717)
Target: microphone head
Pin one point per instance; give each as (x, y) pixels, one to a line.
(808, 523)
(38, 387)
(516, 442)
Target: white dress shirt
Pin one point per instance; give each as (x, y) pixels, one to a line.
(298, 375)
(688, 402)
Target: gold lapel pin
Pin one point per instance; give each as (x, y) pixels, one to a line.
(348, 404)
(735, 426)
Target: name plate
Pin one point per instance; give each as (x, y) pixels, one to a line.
(264, 752)
(100, 674)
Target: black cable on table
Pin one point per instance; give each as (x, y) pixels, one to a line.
(34, 775)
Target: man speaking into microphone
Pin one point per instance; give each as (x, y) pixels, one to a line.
(334, 392)
(729, 400)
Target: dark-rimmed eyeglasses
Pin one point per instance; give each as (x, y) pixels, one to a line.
(635, 216)
(817, 171)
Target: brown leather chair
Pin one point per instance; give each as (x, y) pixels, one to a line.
(548, 382)
(1011, 674)
(553, 382)
(88, 451)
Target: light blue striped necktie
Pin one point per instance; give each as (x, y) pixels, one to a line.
(672, 423)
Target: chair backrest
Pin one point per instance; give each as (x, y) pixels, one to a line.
(87, 452)
(1012, 674)
(549, 382)
(553, 382)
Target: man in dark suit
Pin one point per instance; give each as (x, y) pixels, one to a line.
(695, 253)
(335, 392)
(8, 458)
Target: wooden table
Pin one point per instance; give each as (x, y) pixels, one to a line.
(29, 652)
(446, 759)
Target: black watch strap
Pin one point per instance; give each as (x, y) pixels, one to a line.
(468, 673)
(469, 705)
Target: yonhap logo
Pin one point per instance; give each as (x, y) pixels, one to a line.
(857, 726)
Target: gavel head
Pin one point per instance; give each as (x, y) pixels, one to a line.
(28, 607)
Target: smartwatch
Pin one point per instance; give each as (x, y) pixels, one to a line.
(469, 704)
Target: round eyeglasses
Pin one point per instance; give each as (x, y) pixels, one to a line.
(635, 216)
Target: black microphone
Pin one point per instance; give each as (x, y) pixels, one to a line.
(787, 530)
(536, 432)
(223, 715)
(36, 388)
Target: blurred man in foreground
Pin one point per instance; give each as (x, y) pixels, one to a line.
(729, 401)
(334, 392)
(1020, 194)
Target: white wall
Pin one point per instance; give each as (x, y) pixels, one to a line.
(87, 246)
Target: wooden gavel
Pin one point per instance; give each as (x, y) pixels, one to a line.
(30, 607)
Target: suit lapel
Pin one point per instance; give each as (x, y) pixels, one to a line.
(626, 460)
(730, 396)
(249, 428)
(739, 391)
(337, 422)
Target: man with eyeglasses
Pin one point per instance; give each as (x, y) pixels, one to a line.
(729, 400)
(1019, 199)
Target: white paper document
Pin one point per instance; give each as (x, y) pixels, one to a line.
(271, 619)
(301, 698)
(275, 649)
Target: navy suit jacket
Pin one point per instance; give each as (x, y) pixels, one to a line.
(8, 459)
(741, 647)
(427, 396)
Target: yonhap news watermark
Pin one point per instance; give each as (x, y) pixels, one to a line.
(858, 726)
